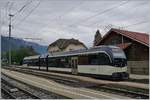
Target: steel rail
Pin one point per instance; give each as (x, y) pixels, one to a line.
(7, 93)
(72, 82)
(20, 89)
(144, 96)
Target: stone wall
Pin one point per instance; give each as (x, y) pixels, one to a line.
(138, 67)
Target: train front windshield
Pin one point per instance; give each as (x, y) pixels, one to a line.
(118, 53)
(119, 57)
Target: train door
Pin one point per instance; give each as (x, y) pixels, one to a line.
(46, 63)
(39, 62)
(74, 65)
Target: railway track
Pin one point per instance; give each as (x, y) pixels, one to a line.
(79, 83)
(120, 91)
(63, 80)
(16, 92)
(6, 94)
(38, 92)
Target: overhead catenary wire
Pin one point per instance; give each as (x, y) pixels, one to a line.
(100, 13)
(22, 8)
(6, 8)
(121, 4)
(4, 12)
(141, 22)
(127, 26)
(81, 3)
(29, 38)
(10, 6)
(0, 22)
(21, 21)
(62, 15)
(73, 8)
(90, 16)
(65, 13)
(96, 21)
(130, 26)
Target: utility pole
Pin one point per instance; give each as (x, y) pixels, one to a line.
(10, 15)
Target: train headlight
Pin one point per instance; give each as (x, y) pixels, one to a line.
(119, 62)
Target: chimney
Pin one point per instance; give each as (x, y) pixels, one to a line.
(97, 38)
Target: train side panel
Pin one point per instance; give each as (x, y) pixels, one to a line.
(100, 70)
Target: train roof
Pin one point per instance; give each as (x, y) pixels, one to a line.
(44, 55)
(32, 57)
(98, 49)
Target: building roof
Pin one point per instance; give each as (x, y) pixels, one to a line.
(142, 38)
(63, 43)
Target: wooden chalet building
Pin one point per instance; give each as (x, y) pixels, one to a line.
(65, 45)
(135, 46)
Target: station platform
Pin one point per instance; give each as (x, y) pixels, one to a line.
(52, 86)
(98, 81)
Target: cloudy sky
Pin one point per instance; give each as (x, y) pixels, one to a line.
(53, 19)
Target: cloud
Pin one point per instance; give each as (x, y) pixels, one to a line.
(52, 20)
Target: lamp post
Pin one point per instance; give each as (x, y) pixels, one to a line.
(10, 15)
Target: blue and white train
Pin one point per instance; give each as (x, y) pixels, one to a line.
(102, 61)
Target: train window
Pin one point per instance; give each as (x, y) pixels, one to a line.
(103, 59)
(34, 62)
(52, 62)
(99, 59)
(62, 62)
(94, 59)
(83, 60)
(42, 62)
(118, 53)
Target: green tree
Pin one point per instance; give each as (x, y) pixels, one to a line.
(18, 54)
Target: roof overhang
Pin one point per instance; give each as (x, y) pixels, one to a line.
(112, 30)
(132, 38)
